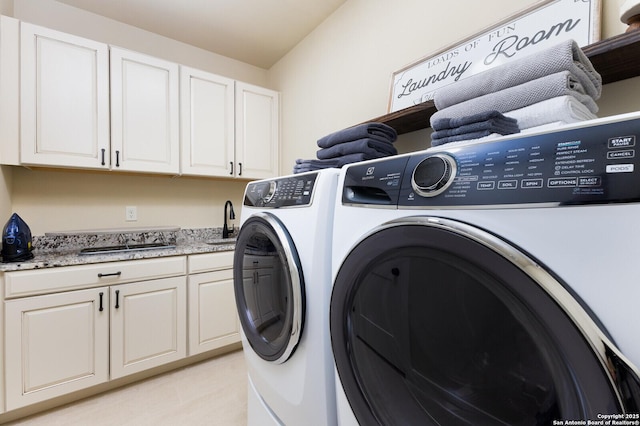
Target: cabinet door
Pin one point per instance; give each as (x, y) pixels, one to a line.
(10, 91)
(57, 344)
(64, 99)
(206, 122)
(257, 131)
(144, 113)
(148, 324)
(213, 318)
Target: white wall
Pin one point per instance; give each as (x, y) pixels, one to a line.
(340, 74)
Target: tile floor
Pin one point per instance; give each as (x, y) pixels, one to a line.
(211, 393)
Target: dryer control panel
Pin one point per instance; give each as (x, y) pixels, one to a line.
(594, 162)
(290, 191)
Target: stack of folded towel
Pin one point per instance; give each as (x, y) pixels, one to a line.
(472, 127)
(555, 86)
(358, 143)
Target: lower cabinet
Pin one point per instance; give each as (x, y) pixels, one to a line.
(57, 343)
(148, 325)
(65, 341)
(213, 318)
(69, 341)
(71, 328)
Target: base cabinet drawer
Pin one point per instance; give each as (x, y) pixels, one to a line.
(57, 344)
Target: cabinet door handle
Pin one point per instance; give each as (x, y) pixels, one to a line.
(113, 274)
(231, 164)
(103, 157)
(239, 169)
(101, 307)
(117, 158)
(117, 299)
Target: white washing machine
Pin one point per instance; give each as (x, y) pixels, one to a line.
(282, 282)
(491, 283)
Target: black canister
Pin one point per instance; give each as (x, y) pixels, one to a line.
(16, 240)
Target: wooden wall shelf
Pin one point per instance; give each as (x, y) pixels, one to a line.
(616, 58)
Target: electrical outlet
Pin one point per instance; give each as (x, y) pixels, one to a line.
(131, 213)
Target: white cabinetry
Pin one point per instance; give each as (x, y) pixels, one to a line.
(227, 132)
(207, 120)
(84, 104)
(148, 324)
(213, 318)
(9, 92)
(257, 131)
(64, 99)
(73, 327)
(144, 113)
(58, 343)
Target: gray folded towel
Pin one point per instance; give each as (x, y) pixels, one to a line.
(558, 84)
(452, 123)
(492, 125)
(565, 56)
(309, 165)
(458, 138)
(374, 130)
(368, 146)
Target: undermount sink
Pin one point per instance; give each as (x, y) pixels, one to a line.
(125, 248)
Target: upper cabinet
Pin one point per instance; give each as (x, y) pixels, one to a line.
(144, 113)
(64, 94)
(229, 128)
(257, 131)
(206, 123)
(85, 104)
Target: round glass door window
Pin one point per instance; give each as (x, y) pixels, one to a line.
(269, 288)
(431, 327)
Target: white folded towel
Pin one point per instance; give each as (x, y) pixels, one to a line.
(547, 87)
(565, 56)
(565, 109)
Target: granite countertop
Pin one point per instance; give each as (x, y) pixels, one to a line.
(63, 249)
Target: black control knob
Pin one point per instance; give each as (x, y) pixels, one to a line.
(269, 192)
(433, 175)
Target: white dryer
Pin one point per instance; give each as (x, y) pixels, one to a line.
(282, 282)
(491, 283)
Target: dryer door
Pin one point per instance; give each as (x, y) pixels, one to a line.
(437, 322)
(269, 287)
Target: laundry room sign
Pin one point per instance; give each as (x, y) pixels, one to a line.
(538, 27)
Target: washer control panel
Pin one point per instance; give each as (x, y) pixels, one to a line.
(593, 164)
(290, 191)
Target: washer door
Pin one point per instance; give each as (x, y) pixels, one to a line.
(269, 287)
(437, 322)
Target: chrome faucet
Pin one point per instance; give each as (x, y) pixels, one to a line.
(225, 229)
